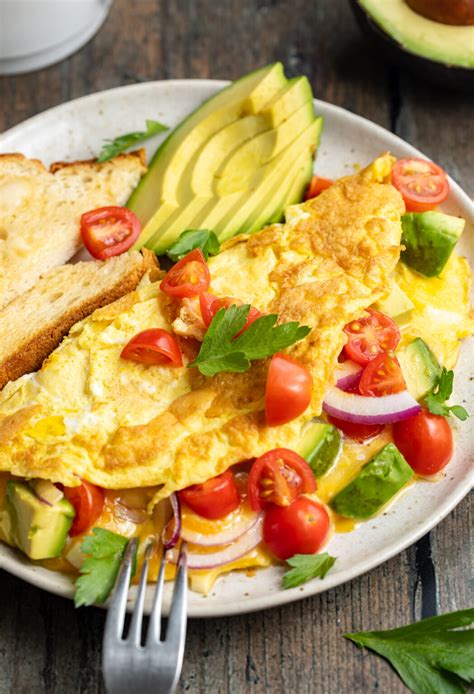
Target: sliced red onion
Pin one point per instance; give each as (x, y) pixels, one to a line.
(176, 521)
(370, 410)
(47, 492)
(348, 375)
(134, 515)
(245, 544)
(224, 537)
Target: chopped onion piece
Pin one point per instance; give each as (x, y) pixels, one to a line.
(134, 515)
(176, 524)
(348, 374)
(227, 553)
(370, 410)
(47, 492)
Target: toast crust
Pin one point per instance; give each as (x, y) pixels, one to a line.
(32, 352)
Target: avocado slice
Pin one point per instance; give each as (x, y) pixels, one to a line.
(238, 170)
(320, 447)
(443, 43)
(243, 97)
(429, 239)
(377, 482)
(397, 305)
(33, 526)
(420, 368)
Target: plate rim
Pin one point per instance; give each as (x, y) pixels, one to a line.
(59, 584)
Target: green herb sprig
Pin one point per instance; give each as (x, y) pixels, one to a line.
(113, 147)
(435, 400)
(190, 239)
(307, 567)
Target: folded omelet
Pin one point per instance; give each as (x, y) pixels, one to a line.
(87, 414)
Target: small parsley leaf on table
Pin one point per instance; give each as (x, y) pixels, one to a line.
(113, 147)
(306, 567)
(435, 400)
(433, 655)
(204, 239)
(104, 551)
(222, 351)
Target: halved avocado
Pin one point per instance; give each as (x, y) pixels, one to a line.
(238, 170)
(440, 53)
(245, 96)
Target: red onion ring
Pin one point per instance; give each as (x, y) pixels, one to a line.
(225, 555)
(369, 410)
(224, 537)
(176, 520)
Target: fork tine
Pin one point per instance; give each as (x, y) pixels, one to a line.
(154, 624)
(118, 602)
(176, 631)
(135, 632)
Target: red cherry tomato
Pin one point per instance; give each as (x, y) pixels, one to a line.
(422, 184)
(382, 376)
(88, 502)
(371, 335)
(210, 305)
(300, 528)
(288, 390)
(355, 431)
(153, 347)
(426, 441)
(279, 477)
(316, 186)
(109, 231)
(212, 499)
(188, 277)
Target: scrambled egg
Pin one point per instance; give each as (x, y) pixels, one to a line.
(89, 414)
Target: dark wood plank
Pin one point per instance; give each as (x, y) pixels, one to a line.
(48, 647)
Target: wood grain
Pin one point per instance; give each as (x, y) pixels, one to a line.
(47, 647)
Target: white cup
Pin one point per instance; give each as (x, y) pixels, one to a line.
(38, 33)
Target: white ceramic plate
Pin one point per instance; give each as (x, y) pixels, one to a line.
(76, 130)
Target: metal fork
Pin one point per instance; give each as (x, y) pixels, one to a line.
(129, 666)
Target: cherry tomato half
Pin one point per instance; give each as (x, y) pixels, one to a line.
(212, 499)
(279, 477)
(382, 376)
(109, 231)
(426, 441)
(370, 335)
(210, 305)
(153, 347)
(355, 431)
(316, 186)
(422, 184)
(288, 390)
(300, 528)
(188, 277)
(88, 502)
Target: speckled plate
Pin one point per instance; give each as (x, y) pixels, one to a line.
(76, 130)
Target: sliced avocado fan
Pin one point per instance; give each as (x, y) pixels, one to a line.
(233, 164)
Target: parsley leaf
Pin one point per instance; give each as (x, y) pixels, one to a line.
(99, 570)
(220, 352)
(306, 567)
(113, 147)
(204, 239)
(430, 656)
(435, 400)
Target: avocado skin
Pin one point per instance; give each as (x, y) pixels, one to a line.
(429, 239)
(445, 76)
(39, 530)
(320, 447)
(377, 482)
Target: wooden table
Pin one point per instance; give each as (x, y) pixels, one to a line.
(48, 646)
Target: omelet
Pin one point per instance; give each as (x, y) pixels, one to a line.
(88, 414)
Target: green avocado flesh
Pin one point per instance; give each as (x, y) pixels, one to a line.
(233, 164)
(38, 529)
(443, 43)
(377, 482)
(420, 368)
(320, 447)
(429, 239)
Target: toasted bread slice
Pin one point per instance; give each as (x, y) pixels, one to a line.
(33, 324)
(40, 211)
